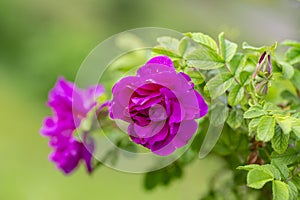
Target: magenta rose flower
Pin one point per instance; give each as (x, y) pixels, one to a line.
(69, 105)
(160, 106)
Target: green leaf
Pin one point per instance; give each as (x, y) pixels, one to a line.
(163, 176)
(227, 48)
(219, 84)
(293, 191)
(254, 111)
(204, 40)
(293, 55)
(296, 181)
(273, 170)
(282, 167)
(183, 45)
(237, 62)
(265, 128)
(285, 124)
(219, 114)
(248, 167)
(288, 95)
(244, 77)
(268, 169)
(296, 79)
(291, 43)
(227, 143)
(204, 59)
(257, 178)
(296, 126)
(273, 47)
(288, 157)
(287, 70)
(196, 76)
(246, 46)
(280, 190)
(152, 179)
(271, 107)
(168, 42)
(280, 141)
(236, 95)
(253, 124)
(235, 118)
(165, 51)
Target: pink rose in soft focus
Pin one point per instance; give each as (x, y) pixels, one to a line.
(70, 106)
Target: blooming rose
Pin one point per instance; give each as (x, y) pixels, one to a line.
(69, 106)
(160, 106)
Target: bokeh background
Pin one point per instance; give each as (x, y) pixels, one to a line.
(41, 40)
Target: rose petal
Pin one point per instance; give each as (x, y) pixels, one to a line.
(163, 60)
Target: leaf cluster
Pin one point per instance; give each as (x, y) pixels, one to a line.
(260, 141)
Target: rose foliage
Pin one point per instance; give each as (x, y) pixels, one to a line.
(169, 103)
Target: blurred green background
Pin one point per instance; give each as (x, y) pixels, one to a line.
(40, 40)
